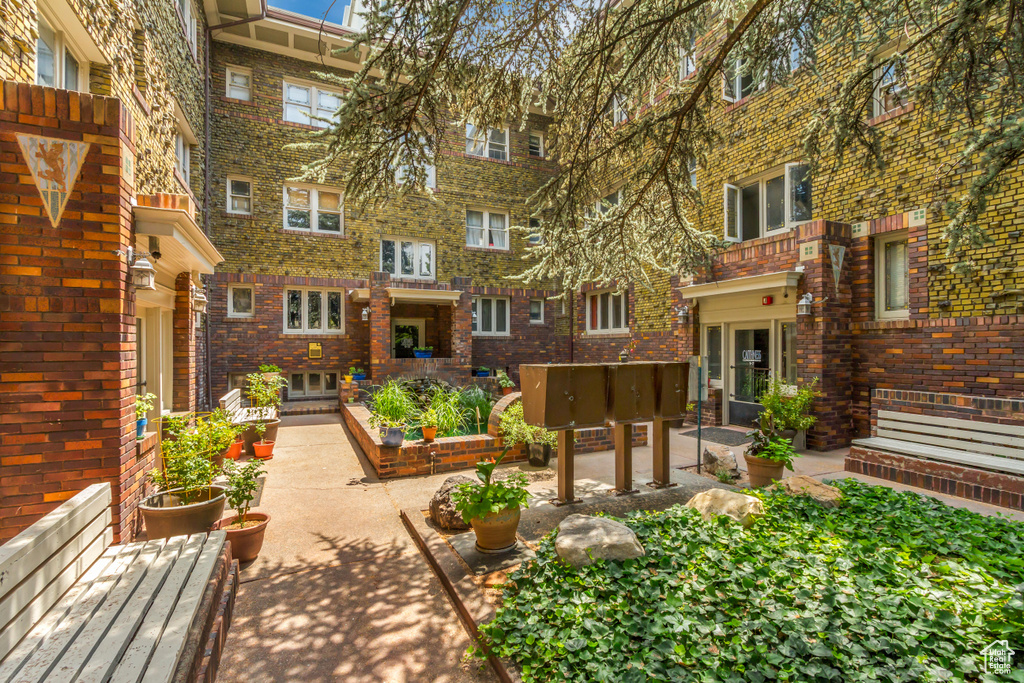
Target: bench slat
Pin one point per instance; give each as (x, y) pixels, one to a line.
(952, 444)
(35, 622)
(133, 662)
(168, 651)
(42, 661)
(232, 400)
(975, 425)
(104, 659)
(95, 631)
(956, 434)
(988, 462)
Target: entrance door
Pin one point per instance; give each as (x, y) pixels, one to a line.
(406, 335)
(749, 373)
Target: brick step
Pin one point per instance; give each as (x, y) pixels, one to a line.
(308, 407)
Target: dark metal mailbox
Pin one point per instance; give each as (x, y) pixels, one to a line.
(630, 392)
(564, 396)
(671, 388)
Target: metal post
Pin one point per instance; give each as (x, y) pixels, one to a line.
(624, 458)
(566, 444)
(700, 395)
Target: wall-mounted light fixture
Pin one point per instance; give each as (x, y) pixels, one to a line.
(143, 272)
(199, 300)
(684, 314)
(803, 306)
(366, 313)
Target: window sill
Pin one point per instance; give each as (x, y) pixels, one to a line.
(536, 322)
(892, 318)
(607, 335)
(466, 155)
(237, 214)
(888, 116)
(313, 335)
(491, 250)
(239, 317)
(314, 233)
(492, 335)
(235, 100)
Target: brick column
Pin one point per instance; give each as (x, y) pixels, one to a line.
(462, 323)
(184, 346)
(380, 325)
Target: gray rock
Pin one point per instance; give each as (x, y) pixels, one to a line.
(802, 485)
(442, 507)
(720, 459)
(739, 506)
(583, 539)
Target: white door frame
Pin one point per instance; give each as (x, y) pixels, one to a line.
(419, 323)
(728, 377)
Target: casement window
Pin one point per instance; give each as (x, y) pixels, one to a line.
(605, 204)
(241, 301)
(777, 200)
(537, 311)
(535, 237)
(314, 311)
(891, 90)
(57, 65)
(188, 23)
(238, 83)
(797, 56)
(406, 257)
(687, 58)
(691, 165)
(237, 380)
(607, 312)
(491, 316)
(536, 144)
(892, 276)
(312, 384)
(616, 109)
(492, 143)
(486, 229)
(309, 104)
(182, 155)
(713, 351)
(737, 83)
(239, 195)
(430, 171)
(313, 208)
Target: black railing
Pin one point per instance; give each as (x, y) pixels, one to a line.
(750, 382)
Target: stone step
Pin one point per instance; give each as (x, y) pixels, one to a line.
(309, 407)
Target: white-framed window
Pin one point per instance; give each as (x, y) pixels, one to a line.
(57, 64)
(486, 228)
(407, 257)
(314, 311)
(687, 58)
(492, 143)
(537, 311)
(891, 90)
(607, 312)
(304, 102)
(312, 383)
(241, 301)
(737, 83)
(188, 23)
(239, 195)
(535, 237)
(892, 276)
(536, 143)
(491, 316)
(605, 204)
(238, 83)
(315, 209)
(182, 155)
(691, 165)
(775, 201)
(713, 351)
(616, 109)
(430, 170)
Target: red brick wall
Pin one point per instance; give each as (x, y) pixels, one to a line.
(184, 343)
(66, 313)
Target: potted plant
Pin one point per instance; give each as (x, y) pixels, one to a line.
(348, 377)
(358, 374)
(143, 404)
(514, 431)
(264, 392)
(263, 449)
(245, 529)
(768, 453)
(791, 405)
(505, 382)
(483, 371)
(187, 501)
(269, 370)
(423, 351)
(492, 507)
(223, 435)
(392, 432)
(428, 424)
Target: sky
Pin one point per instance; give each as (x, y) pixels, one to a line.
(315, 8)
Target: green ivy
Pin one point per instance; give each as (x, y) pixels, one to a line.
(887, 587)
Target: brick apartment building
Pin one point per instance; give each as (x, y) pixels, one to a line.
(186, 109)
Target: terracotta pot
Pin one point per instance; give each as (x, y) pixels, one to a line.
(250, 436)
(264, 450)
(505, 391)
(429, 433)
(496, 532)
(762, 471)
(165, 516)
(246, 543)
(235, 449)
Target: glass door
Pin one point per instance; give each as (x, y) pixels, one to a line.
(406, 335)
(749, 373)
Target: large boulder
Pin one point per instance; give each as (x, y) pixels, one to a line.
(802, 485)
(720, 459)
(583, 539)
(442, 507)
(739, 506)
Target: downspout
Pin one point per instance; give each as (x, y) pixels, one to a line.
(208, 170)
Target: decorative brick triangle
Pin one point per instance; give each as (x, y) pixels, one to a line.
(54, 165)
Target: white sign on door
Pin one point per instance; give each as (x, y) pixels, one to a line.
(751, 355)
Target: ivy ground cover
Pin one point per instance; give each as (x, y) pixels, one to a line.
(887, 587)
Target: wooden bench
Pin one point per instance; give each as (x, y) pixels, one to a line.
(75, 608)
(231, 402)
(969, 443)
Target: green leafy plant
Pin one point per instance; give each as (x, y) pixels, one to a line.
(243, 480)
(779, 450)
(791, 405)
(478, 403)
(392, 403)
(143, 404)
(423, 348)
(888, 586)
(353, 370)
(484, 369)
(270, 367)
(187, 459)
(382, 423)
(428, 418)
(261, 431)
(476, 501)
(724, 476)
(767, 430)
(515, 431)
(504, 381)
(447, 406)
(263, 391)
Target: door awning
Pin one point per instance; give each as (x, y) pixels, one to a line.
(411, 295)
(753, 283)
(184, 247)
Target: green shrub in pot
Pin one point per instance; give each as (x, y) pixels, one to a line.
(790, 404)
(492, 507)
(514, 432)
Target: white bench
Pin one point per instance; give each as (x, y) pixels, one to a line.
(970, 443)
(75, 608)
(231, 402)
